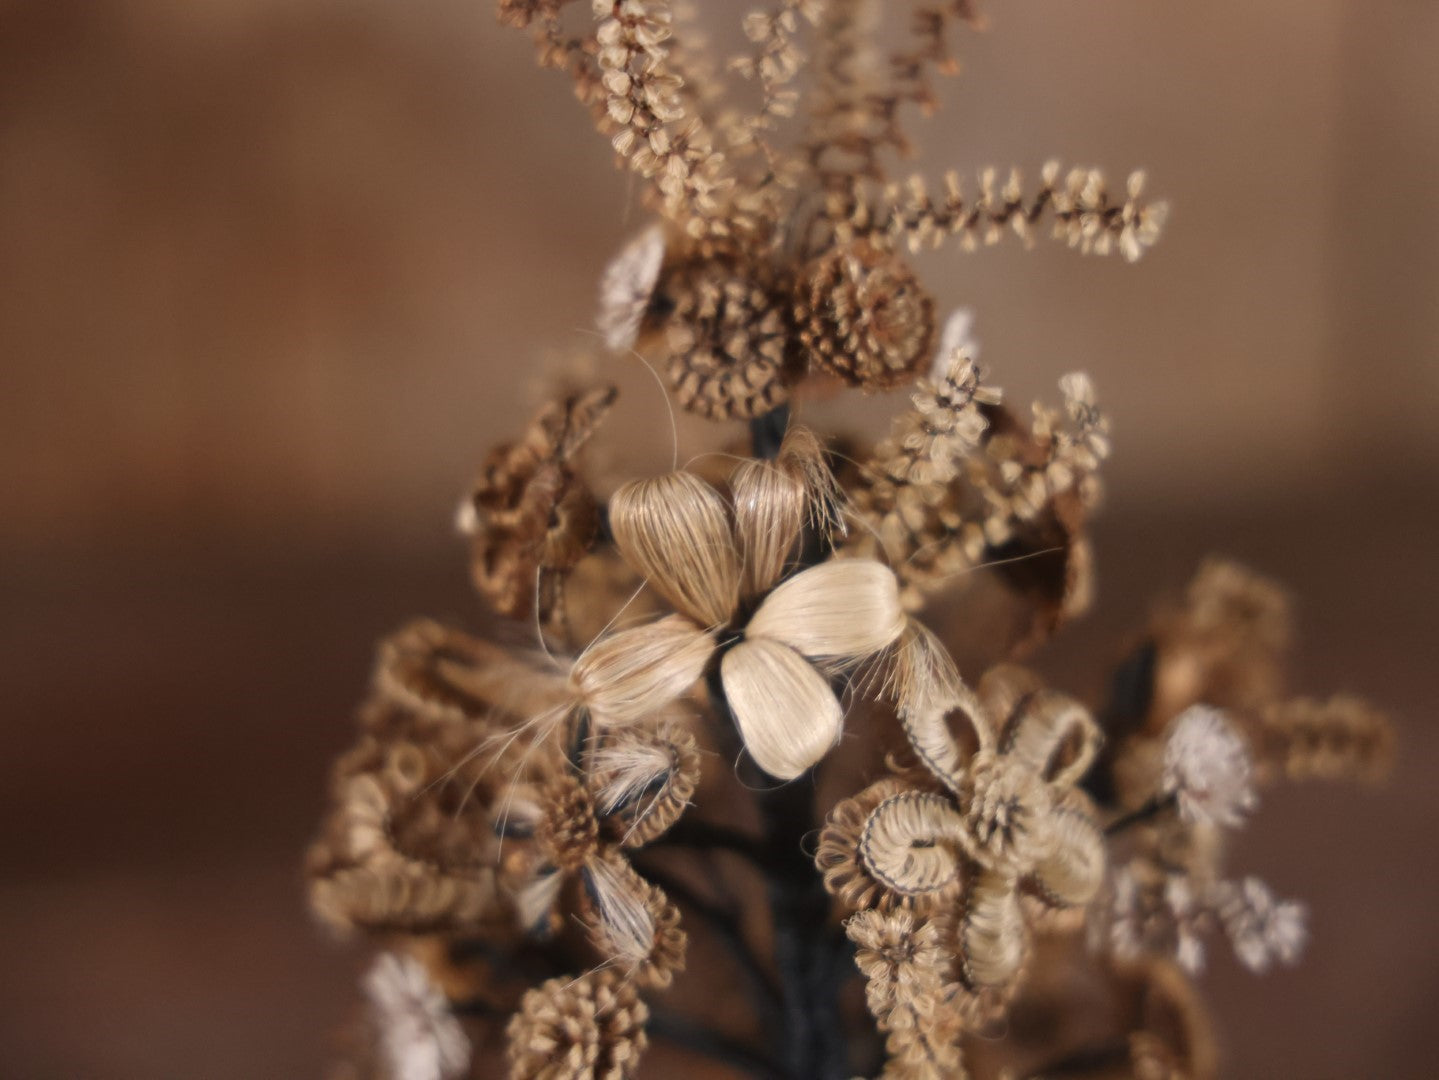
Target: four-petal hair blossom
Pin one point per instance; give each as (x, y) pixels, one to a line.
(728, 568)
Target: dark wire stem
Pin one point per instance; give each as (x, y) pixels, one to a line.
(813, 1043)
(684, 1032)
(767, 432)
(1131, 695)
(812, 1034)
(727, 927)
(707, 836)
(799, 908)
(477, 1007)
(1156, 805)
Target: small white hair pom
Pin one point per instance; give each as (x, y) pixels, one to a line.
(1261, 927)
(419, 1035)
(1207, 768)
(956, 337)
(626, 287)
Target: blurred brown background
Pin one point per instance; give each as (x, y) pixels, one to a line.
(274, 273)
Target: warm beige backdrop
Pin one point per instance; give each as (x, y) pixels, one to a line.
(274, 274)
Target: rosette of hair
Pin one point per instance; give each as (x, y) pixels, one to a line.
(567, 831)
(862, 315)
(1007, 814)
(846, 876)
(565, 519)
(402, 848)
(728, 333)
(643, 778)
(565, 818)
(907, 965)
(991, 933)
(675, 530)
(627, 675)
(912, 843)
(591, 1026)
(363, 876)
(885, 949)
(529, 517)
(560, 818)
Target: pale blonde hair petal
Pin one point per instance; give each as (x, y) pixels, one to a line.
(636, 672)
(802, 455)
(839, 611)
(674, 529)
(770, 506)
(786, 712)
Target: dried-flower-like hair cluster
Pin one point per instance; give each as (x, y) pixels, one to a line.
(529, 515)
(779, 262)
(961, 483)
(1202, 723)
(707, 779)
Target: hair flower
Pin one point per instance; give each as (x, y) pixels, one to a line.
(728, 569)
